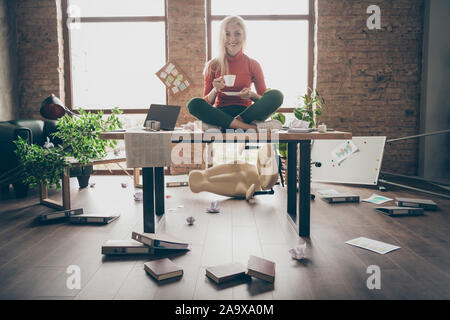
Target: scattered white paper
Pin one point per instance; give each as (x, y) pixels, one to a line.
(190, 220)
(372, 245)
(374, 198)
(138, 196)
(343, 151)
(181, 206)
(296, 123)
(214, 207)
(326, 192)
(298, 252)
(172, 209)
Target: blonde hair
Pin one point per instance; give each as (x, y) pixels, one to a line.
(220, 63)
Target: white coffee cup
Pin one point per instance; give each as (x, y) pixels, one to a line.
(229, 79)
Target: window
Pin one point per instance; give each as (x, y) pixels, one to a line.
(115, 48)
(279, 37)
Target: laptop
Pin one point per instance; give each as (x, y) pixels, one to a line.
(166, 115)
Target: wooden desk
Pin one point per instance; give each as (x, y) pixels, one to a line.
(153, 178)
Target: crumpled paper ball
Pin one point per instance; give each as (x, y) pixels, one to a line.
(298, 252)
(138, 196)
(190, 220)
(124, 184)
(91, 184)
(48, 144)
(214, 207)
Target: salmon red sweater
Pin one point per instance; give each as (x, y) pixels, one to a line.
(247, 71)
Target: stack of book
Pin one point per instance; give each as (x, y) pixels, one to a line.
(408, 207)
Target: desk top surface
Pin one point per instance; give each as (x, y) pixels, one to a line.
(188, 136)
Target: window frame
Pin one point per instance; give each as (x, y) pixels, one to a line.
(67, 49)
(310, 17)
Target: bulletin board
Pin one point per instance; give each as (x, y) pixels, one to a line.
(356, 161)
(174, 78)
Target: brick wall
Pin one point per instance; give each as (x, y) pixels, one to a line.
(371, 78)
(186, 39)
(39, 49)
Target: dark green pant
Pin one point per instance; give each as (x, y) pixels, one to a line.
(223, 116)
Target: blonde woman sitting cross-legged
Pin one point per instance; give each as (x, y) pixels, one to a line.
(238, 179)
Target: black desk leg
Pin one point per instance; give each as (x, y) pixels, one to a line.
(304, 186)
(291, 177)
(148, 199)
(159, 190)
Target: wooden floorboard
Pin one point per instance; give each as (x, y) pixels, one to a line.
(34, 257)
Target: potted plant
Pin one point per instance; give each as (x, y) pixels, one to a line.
(311, 108)
(77, 139)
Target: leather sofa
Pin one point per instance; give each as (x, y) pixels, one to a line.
(35, 132)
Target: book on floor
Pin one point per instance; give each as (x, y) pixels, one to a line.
(426, 204)
(226, 272)
(93, 218)
(340, 197)
(400, 211)
(162, 269)
(60, 214)
(122, 247)
(160, 240)
(261, 268)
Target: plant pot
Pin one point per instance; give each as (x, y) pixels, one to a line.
(83, 174)
(83, 181)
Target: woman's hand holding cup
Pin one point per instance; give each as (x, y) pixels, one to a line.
(219, 83)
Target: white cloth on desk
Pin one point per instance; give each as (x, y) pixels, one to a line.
(148, 149)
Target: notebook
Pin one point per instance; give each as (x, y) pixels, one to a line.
(416, 203)
(93, 218)
(162, 269)
(160, 240)
(60, 214)
(261, 268)
(340, 197)
(226, 272)
(400, 211)
(122, 247)
(165, 114)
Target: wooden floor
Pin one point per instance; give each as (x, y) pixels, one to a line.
(34, 257)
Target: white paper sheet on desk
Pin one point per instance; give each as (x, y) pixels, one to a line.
(148, 149)
(372, 245)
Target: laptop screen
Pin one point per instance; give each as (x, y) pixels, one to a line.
(165, 114)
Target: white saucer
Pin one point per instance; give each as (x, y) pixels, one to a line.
(231, 93)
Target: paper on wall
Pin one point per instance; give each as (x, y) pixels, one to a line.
(343, 151)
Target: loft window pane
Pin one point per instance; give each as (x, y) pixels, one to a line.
(114, 65)
(118, 8)
(284, 63)
(259, 7)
